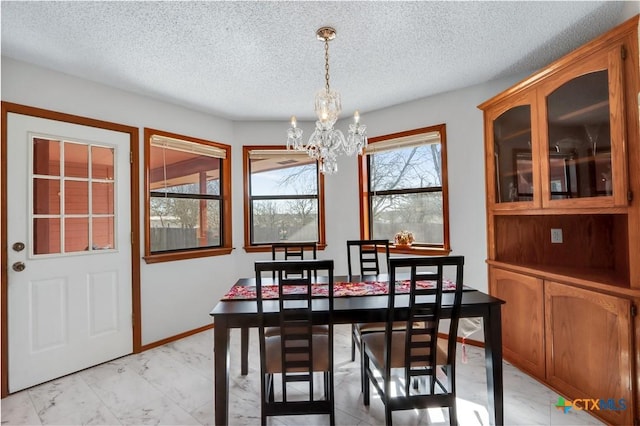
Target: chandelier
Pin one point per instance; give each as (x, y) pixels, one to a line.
(325, 143)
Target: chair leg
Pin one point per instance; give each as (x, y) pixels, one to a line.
(364, 368)
(270, 390)
(453, 414)
(326, 385)
(332, 396)
(353, 342)
(363, 377)
(388, 418)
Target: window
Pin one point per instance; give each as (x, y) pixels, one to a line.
(284, 197)
(188, 208)
(73, 191)
(404, 187)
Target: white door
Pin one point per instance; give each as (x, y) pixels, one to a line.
(69, 240)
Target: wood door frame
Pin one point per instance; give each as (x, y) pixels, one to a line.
(8, 107)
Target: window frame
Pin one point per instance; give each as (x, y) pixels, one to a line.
(226, 242)
(365, 194)
(246, 171)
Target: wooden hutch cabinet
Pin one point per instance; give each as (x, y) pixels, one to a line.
(562, 151)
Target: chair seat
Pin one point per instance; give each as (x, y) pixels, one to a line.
(274, 358)
(316, 329)
(374, 344)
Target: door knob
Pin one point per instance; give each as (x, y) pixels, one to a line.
(18, 246)
(18, 266)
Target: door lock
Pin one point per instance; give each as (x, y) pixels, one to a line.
(18, 266)
(18, 246)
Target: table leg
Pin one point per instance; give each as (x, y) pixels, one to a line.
(244, 351)
(493, 359)
(221, 371)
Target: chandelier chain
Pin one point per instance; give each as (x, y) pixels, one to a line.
(326, 63)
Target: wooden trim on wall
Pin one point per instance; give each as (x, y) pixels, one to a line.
(4, 368)
(176, 337)
(8, 107)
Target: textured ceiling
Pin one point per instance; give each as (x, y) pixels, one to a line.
(261, 60)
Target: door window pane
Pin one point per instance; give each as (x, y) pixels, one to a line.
(102, 198)
(102, 162)
(46, 196)
(102, 233)
(76, 234)
(46, 236)
(76, 160)
(76, 197)
(46, 157)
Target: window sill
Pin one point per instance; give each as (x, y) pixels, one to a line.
(421, 251)
(183, 255)
(267, 248)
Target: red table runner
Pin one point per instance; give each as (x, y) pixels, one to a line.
(340, 289)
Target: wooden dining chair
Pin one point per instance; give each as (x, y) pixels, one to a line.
(371, 255)
(292, 356)
(416, 354)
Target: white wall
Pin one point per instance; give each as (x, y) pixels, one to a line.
(177, 296)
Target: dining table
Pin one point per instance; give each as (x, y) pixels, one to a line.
(238, 309)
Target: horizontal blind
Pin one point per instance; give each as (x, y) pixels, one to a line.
(403, 142)
(263, 154)
(188, 146)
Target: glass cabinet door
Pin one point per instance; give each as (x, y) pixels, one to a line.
(513, 156)
(578, 161)
(579, 138)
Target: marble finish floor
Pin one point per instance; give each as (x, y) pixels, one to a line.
(173, 385)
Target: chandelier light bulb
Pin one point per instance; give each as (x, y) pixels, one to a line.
(326, 142)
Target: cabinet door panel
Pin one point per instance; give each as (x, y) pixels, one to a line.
(512, 160)
(522, 319)
(583, 146)
(589, 346)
